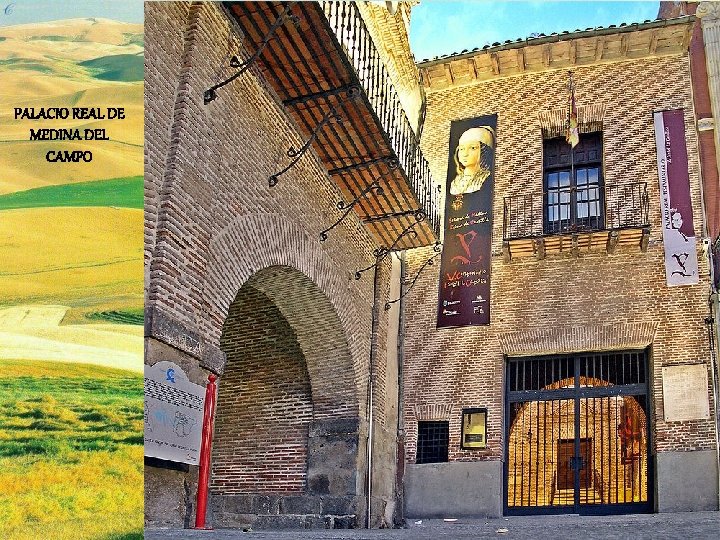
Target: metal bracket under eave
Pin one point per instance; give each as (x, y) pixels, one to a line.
(351, 92)
(418, 213)
(612, 241)
(297, 154)
(374, 186)
(437, 249)
(382, 252)
(390, 161)
(211, 93)
(645, 239)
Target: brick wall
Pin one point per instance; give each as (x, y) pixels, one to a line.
(163, 68)
(217, 198)
(449, 369)
(212, 222)
(264, 402)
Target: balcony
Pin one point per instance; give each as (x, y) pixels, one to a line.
(576, 220)
(327, 71)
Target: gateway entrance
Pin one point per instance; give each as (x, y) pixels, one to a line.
(577, 434)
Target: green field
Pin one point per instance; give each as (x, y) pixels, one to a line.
(118, 67)
(71, 448)
(119, 192)
(128, 316)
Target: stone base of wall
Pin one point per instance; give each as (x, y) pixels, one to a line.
(171, 489)
(687, 481)
(459, 489)
(170, 497)
(284, 511)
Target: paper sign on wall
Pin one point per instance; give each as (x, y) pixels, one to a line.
(173, 414)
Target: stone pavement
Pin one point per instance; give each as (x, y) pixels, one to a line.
(690, 525)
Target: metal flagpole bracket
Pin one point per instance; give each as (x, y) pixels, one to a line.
(374, 186)
(297, 154)
(382, 252)
(437, 248)
(211, 93)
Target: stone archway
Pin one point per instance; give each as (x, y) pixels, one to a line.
(287, 426)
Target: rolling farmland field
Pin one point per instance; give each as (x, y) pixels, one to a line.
(71, 285)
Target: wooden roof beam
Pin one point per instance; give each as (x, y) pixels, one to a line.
(546, 55)
(653, 42)
(686, 37)
(495, 63)
(599, 48)
(472, 68)
(624, 45)
(448, 74)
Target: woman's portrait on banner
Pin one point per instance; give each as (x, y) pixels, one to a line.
(468, 222)
(473, 160)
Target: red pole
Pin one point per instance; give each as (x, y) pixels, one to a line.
(205, 446)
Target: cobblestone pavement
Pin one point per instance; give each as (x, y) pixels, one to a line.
(691, 525)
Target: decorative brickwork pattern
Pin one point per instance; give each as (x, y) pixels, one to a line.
(559, 340)
(618, 297)
(433, 412)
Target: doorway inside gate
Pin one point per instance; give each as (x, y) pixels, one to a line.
(578, 434)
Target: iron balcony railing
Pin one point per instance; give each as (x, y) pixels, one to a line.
(576, 209)
(353, 35)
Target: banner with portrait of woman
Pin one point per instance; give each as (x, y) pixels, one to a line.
(464, 290)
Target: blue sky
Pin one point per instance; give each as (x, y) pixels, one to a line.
(441, 27)
(30, 11)
(437, 27)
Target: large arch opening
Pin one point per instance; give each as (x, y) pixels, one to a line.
(265, 402)
(286, 439)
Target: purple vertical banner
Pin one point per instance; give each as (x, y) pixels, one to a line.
(464, 295)
(681, 262)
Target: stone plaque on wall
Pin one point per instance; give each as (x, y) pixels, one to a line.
(173, 414)
(685, 392)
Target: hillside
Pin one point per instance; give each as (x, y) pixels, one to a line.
(73, 63)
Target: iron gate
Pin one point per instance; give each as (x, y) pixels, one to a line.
(578, 434)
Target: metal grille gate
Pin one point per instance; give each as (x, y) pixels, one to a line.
(578, 434)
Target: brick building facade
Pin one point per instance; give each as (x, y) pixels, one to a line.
(238, 284)
(312, 370)
(561, 294)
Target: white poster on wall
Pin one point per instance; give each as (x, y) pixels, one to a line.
(173, 414)
(681, 262)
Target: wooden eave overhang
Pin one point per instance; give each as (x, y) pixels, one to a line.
(312, 74)
(558, 51)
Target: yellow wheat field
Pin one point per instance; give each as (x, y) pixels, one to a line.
(40, 69)
(62, 500)
(25, 167)
(87, 258)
